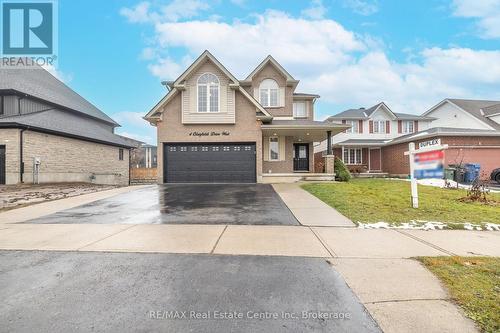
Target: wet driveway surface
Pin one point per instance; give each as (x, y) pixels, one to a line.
(241, 204)
(117, 292)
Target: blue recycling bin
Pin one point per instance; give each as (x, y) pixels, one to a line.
(471, 172)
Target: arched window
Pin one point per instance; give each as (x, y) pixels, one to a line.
(208, 93)
(269, 93)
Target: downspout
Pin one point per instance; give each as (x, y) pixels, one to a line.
(129, 160)
(21, 162)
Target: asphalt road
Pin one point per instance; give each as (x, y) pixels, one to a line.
(118, 292)
(247, 204)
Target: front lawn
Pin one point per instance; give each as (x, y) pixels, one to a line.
(383, 200)
(474, 284)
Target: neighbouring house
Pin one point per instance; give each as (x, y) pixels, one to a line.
(360, 147)
(471, 129)
(49, 133)
(213, 127)
(144, 156)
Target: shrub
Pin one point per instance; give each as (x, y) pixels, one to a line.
(341, 171)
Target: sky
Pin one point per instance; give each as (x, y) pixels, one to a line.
(354, 53)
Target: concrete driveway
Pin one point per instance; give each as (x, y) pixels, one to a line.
(256, 204)
(81, 292)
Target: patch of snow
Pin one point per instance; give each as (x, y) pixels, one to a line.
(492, 227)
(429, 225)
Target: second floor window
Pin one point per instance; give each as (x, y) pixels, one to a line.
(269, 93)
(208, 93)
(299, 110)
(408, 127)
(354, 126)
(379, 126)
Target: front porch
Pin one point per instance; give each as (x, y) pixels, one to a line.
(288, 154)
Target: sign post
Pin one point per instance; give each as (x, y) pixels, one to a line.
(426, 162)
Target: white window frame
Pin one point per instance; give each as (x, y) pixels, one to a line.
(354, 126)
(295, 104)
(406, 126)
(351, 152)
(269, 85)
(377, 127)
(278, 151)
(207, 85)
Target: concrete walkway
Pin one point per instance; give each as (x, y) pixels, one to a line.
(308, 209)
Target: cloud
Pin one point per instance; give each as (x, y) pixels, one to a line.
(487, 13)
(136, 127)
(316, 11)
(137, 14)
(344, 67)
(172, 12)
(61, 76)
(362, 7)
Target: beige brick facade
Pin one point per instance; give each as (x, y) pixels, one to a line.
(10, 138)
(270, 72)
(64, 159)
(246, 129)
(286, 166)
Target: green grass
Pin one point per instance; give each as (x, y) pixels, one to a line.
(474, 284)
(376, 200)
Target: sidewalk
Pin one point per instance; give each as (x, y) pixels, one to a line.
(308, 209)
(399, 293)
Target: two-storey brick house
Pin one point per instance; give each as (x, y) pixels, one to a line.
(360, 147)
(213, 127)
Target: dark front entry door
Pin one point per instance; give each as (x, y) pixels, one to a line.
(2, 164)
(301, 157)
(209, 163)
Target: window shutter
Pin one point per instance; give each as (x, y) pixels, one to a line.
(282, 146)
(388, 126)
(281, 96)
(370, 125)
(416, 126)
(266, 149)
(360, 126)
(400, 126)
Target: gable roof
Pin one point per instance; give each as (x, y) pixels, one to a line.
(271, 60)
(363, 114)
(31, 79)
(204, 56)
(177, 84)
(472, 107)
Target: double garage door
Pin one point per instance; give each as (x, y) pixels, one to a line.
(209, 163)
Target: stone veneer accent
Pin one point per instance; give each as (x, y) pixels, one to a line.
(64, 159)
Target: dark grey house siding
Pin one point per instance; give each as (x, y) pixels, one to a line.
(10, 106)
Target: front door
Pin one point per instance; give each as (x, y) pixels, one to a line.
(301, 157)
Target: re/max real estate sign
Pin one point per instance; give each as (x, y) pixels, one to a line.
(429, 164)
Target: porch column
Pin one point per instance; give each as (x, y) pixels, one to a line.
(328, 142)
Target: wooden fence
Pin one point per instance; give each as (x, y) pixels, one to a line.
(143, 174)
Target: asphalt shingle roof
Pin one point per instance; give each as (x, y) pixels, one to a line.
(473, 107)
(363, 113)
(38, 82)
(67, 123)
